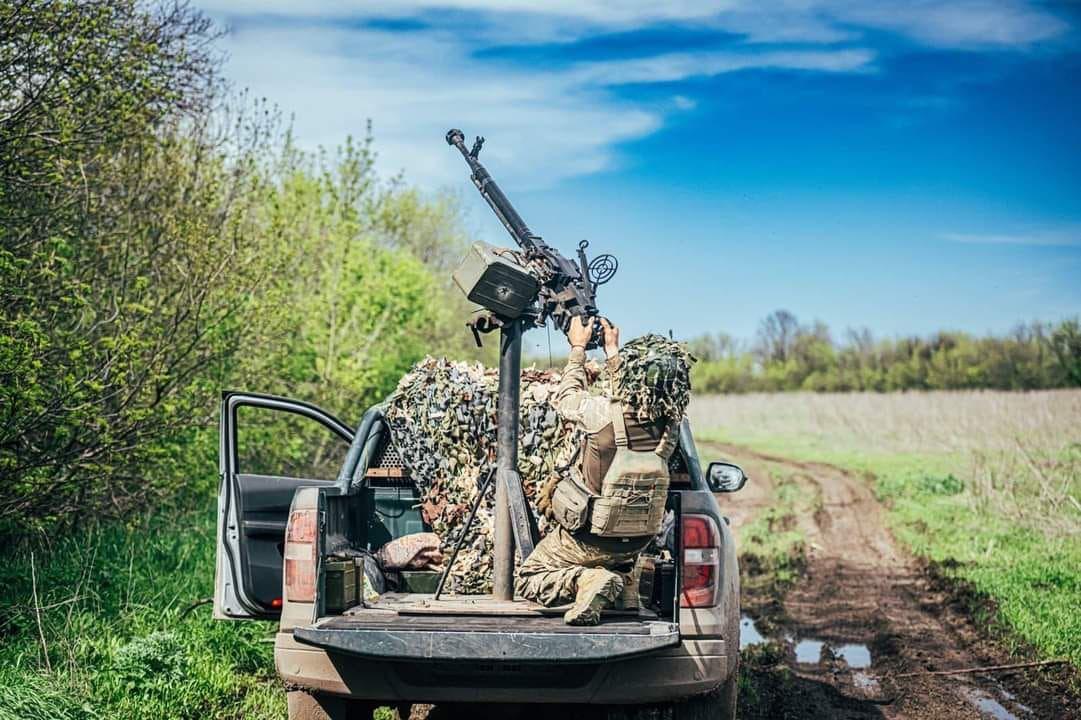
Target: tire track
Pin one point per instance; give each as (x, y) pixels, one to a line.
(861, 593)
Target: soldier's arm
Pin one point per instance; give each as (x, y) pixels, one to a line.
(611, 346)
(572, 399)
(572, 392)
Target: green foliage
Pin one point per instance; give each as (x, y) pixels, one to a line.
(790, 356)
(161, 253)
(890, 485)
(117, 215)
(161, 241)
(355, 304)
(1066, 345)
(1032, 580)
(118, 645)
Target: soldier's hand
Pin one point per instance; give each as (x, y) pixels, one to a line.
(579, 332)
(611, 338)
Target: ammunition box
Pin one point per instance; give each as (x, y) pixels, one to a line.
(419, 581)
(495, 282)
(340, 588)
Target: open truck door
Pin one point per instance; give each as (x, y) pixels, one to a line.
(269, 447)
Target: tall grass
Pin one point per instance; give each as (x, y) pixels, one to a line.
(1017, 454)
(95, 627)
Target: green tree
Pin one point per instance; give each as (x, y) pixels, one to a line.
(1065, 342)
(114, 229)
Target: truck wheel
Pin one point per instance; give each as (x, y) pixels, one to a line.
(719, 704)
(304, 705)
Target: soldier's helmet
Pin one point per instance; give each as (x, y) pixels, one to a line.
(654, 377)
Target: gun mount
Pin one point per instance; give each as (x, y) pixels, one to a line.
(520, 288)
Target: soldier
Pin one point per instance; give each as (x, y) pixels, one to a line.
(611, 503)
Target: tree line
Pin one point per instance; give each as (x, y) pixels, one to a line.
(789, 355)
(163, 238)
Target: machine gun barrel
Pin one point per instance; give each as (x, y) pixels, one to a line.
(495, 198)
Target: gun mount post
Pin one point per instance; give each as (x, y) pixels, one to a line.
(510, 373)
(560, 290)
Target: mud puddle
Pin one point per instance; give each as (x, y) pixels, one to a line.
(991, 707)
(990, 703)
(808, 651)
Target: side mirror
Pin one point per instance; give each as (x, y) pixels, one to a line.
(725, 477)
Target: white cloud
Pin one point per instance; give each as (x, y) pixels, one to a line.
(544, 127)
(944, 23)
(680, 66)
(547, 124)
(1065, 237)
(682, 102)
(958, 23)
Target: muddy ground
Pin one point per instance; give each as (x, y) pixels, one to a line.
(857, 633)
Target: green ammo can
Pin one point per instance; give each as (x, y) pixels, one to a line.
(341, 585)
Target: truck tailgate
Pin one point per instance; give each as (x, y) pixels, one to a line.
(534, 639)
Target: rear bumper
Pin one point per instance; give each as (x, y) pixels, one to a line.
(483, 640)
(688, 668)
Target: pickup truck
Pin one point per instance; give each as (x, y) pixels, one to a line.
(300, 490)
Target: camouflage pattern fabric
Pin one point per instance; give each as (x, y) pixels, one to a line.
(654, 377)
(563, 565)
(442, 419)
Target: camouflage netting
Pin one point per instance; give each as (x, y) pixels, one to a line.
(442, 419)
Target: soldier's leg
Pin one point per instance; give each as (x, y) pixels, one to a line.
(628, 599)
(549, 575)
(597, 589)
(563, 569)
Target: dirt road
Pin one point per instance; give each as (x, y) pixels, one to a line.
(842, 641)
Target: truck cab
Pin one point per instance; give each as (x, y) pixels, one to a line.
(303, 496)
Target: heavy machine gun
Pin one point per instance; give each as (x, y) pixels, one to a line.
(520, 288)
(564, 289)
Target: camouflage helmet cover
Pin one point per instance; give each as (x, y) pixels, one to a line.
(654, 377)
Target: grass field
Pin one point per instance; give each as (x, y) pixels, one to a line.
(94, 627)
(985, 485)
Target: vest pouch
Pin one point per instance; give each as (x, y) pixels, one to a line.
(622, 516)
(656, 515)
(570, 505)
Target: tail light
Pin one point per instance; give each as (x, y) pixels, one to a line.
(300, 556)
(701, 562)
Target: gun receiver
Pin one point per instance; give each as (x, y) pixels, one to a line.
(567, 289)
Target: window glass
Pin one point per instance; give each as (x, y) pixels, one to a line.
(693, 467)
(276, 442)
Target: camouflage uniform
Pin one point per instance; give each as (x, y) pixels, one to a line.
(596, 572)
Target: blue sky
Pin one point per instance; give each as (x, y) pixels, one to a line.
(902, 166)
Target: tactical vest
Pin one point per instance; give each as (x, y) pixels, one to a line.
(633, 494)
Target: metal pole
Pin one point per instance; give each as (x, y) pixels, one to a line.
(481, 492)
(510, 375)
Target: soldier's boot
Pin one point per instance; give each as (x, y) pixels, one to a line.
(628, 599)
(597, 589)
